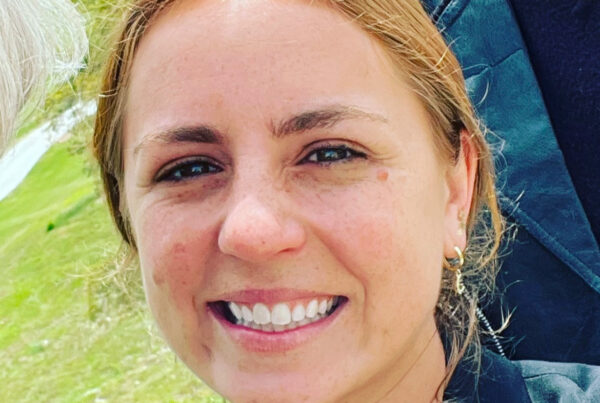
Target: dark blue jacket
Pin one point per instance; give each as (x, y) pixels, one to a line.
(502, 381)
(551, 274)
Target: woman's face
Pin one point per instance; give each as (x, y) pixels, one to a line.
(279, 171)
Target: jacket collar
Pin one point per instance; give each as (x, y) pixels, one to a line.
(498, 380)
(534, 184)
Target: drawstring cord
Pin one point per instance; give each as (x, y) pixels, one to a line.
(491, 331)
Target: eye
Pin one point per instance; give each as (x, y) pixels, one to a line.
(331, 154)
(187, 169)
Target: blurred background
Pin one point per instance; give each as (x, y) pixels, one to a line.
(74, 326)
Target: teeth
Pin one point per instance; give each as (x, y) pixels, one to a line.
(323, 307)
(304, 321)
(279, 318)
(247, 314)
(281, 314)
(235, 310)
(298, 313)
(261, 314)
(312, 308)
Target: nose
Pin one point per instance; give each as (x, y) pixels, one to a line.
(255, 230)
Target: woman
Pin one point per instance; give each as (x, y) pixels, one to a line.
(300, 181)
(40, 41)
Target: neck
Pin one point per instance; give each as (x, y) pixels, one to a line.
(422, 382)
(418, 380)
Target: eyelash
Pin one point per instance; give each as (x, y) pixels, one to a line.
(195, 166)
(174, 172)
(332, 154)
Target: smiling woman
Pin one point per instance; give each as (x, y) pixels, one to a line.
(300, 181)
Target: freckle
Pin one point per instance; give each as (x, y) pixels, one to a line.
(158, 277)
(207, 352)
(382, 175)
(179, 248)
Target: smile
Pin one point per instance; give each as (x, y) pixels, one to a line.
(277, 317)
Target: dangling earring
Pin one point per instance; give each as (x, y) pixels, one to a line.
(455, 265)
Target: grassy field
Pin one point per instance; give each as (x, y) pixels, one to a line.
(73, 322)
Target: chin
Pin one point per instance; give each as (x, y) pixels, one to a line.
(277, 388)
(275, 377)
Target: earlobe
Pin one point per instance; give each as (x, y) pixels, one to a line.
(461, 178)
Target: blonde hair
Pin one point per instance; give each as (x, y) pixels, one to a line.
(406, 33)
(42, 42)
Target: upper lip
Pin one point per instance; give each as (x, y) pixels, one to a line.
(268, 296)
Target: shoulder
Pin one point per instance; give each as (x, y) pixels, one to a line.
(492, 379)
(554, 382)
(498, 379)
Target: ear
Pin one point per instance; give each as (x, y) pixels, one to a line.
(460, 179)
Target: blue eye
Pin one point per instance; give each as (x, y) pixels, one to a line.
(330, 154)
(183, 170)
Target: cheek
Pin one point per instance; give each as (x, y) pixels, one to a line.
(394, 218)
(173, 248)
(171, 251)
(389, 234)
(170, 247)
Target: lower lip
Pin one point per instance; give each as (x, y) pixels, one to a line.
(275, 342)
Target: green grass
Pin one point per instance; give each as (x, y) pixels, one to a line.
(73, 322)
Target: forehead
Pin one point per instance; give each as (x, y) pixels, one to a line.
(261, 57)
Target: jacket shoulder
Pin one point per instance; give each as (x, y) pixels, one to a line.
(559, 382)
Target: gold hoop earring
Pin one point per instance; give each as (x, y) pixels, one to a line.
(455, 265)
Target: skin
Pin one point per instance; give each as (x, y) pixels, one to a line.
(373, 225)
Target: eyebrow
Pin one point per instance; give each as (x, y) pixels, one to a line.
(191, 134)
(321, 119)
(315, 119)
